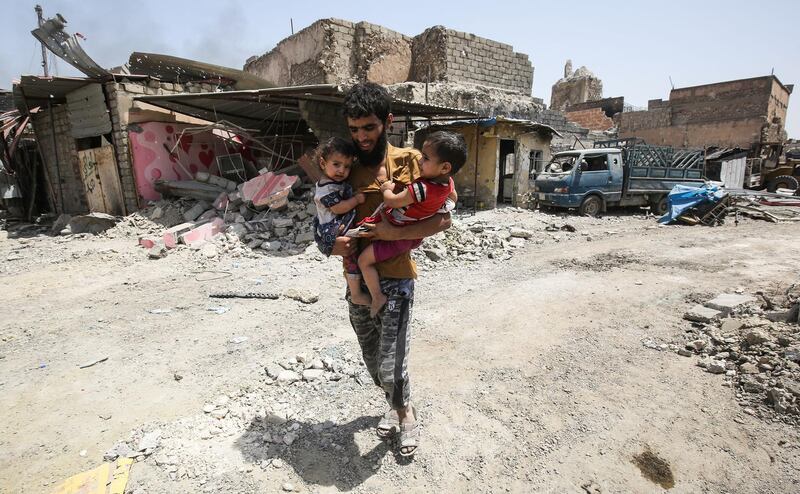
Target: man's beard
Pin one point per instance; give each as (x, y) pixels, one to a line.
(374, 157)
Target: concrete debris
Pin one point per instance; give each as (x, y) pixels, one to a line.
(757, 357)
(93, 223)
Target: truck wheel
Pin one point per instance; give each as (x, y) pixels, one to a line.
(659, 206)
(782, 182)
(591, 206)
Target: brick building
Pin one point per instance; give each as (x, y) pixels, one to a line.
(740, 113)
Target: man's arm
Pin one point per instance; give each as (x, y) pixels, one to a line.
(425, 228)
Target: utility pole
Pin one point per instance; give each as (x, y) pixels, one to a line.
(40, 17)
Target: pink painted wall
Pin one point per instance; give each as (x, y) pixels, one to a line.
(152, 161)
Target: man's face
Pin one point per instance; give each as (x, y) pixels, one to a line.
(366, 131)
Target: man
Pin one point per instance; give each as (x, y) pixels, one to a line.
(385, 339)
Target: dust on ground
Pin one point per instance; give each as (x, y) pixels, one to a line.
(543, 360)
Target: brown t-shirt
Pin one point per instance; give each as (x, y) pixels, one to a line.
(402, 165)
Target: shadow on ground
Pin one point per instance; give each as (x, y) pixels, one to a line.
(323, 454)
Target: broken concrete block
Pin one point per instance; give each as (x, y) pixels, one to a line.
(173, 235)
(520, 233)
(147, 243)
(91, 223)
(61, 223)
(195, 211)
(698, 313)
(276, 202)
(246, 212)
(235, 198)
(202, 176)
(238, 229)
(258, 189)
(730, 325)
(222, 201)
(208, 215)
(228, 185)
(204, 232)
(157, 251)
(282, 223)
(304, 237)
(726, 302)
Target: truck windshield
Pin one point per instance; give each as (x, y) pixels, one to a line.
(560, 165)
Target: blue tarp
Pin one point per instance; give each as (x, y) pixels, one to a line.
(684, 197)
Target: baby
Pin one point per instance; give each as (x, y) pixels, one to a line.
(336, 205)
(443, 154)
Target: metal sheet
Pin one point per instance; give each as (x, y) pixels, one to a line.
(66, 46)
(253, 108)
(732, 172)
(88, 112)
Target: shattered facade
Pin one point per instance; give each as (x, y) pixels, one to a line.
(79, 179)
(596, 115)
(575, 87)
(334, 51)
(730, 114)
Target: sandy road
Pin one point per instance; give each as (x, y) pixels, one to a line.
(530, 373)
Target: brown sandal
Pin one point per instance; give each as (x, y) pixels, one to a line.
(389, 425)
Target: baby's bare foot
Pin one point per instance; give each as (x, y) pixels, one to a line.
(360, 298)
(378, 301)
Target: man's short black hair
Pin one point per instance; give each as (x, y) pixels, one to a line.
(449, 146)
(365, 99)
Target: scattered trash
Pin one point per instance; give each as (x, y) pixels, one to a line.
(238, 339)
(218, 310)
(92, 362)
(111, 478)
(159, 311)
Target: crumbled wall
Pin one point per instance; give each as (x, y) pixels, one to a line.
(453, 56)
(574, 88)
(63, 174)
(483, 100)
(324, 119)
(734, 114)
(120, 102)
(592, 118)
(334, 51)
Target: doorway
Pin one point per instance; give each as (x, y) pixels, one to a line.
(506, 166)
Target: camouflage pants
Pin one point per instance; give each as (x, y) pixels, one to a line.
(385, 340)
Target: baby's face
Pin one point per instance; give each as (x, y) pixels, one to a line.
(337, 166)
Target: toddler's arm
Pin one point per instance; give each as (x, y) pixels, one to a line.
(392, 200)
(348, 205)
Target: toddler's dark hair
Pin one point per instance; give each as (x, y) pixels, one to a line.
(449, 146)
(334, 145)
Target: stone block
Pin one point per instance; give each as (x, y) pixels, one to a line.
(698, 313)
(726, 302)
(203, 233)
(172, 236)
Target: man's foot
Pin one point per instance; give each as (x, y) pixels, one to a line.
(378, 301)
(360, 298)
(389, 425)
(409, 431)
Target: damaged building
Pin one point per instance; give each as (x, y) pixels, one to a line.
(743, 113)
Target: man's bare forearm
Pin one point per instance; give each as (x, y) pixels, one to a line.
(425, 228)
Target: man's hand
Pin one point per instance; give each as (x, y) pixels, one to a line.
(360, 198)
(382, 230)
(343, 246)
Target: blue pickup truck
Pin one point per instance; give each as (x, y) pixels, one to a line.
(624, 172)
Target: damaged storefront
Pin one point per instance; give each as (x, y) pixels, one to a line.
(503, 158)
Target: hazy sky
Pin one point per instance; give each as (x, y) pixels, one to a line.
(634, 47)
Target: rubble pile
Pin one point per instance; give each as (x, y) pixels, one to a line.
(755, 344)
(270, 212)
(296, 403)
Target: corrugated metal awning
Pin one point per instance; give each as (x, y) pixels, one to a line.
(254, 108)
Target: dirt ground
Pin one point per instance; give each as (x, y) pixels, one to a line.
(529, 373)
